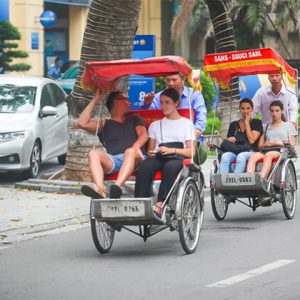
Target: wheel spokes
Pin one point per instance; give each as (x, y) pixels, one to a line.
(190, 215)
(104, 234)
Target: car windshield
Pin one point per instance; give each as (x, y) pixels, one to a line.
(15, 99)
(71, 73)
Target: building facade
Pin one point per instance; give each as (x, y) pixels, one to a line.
(64, 38)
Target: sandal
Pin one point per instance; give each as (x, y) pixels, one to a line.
(115, 192)
(90, 192)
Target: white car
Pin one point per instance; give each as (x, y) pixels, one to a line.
(33, 123)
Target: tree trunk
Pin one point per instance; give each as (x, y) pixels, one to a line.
(225, 41)
(109, 35)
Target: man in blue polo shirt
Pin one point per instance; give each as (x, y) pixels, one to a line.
(152, 101)
(54, 70)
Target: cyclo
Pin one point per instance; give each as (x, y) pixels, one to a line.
(282, 182)
(182, 211)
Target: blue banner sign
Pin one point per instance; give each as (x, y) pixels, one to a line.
(34, 40)
(4, 11)
(144, 47)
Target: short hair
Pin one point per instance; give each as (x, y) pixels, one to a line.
(57, 59)
(171, 93)
(110, 102)
(246, 100)
(179, 74)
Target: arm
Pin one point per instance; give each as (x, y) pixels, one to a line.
(252, 135)
(151, 145)
(142, 137)
(155, 102)
(293, 140)
(261, 142)
(293, 110)
(200, 111)
(85, 121)
(50, 72)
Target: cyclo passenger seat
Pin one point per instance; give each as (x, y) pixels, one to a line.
(149, 116)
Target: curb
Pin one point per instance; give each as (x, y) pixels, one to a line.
(61, 186)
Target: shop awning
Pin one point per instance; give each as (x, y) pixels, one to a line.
(223, 66)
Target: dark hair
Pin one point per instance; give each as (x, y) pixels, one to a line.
(57, 59)
(110, 102)
(178, 73)
(279, 104)
(171, 93)
(246, 100)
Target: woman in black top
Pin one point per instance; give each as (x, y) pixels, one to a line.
(246, 130)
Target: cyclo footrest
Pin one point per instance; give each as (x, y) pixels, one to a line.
(240, 185)
(125, 211)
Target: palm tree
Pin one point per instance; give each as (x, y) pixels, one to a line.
(252, 17)
(225, 41)
(109, 35)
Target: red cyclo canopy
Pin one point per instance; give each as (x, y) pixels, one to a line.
(223, 66)
(105, 74)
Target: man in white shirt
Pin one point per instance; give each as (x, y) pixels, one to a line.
(276, 91)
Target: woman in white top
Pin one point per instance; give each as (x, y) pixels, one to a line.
(276, 134)
(172, 128)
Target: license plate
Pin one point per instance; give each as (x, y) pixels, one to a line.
(121, 208)
(237, 179)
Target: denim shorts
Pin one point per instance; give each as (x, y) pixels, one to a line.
(117, 161)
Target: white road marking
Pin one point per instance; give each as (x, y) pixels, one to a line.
(255, 272)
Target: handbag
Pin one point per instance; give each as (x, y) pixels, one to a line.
(236, 148)
(241, 144)
(177, 145)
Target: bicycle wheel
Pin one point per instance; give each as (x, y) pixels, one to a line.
(190, 224)
(219, 205)
(102, 234)
(289, 192)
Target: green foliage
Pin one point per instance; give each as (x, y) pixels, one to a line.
(208, 90)
(213, 124)
(160, 84)
(9, 34)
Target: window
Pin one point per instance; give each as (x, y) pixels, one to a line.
(58, 95)
(46, 99)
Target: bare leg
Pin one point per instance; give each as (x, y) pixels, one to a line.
(99, 164)
(269, 156)
(131, 159)
(253, 159)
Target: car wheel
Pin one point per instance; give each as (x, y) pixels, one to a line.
(62, 159)
(35, 161)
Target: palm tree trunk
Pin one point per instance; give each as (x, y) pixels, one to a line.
(225, 41)
(109, 35)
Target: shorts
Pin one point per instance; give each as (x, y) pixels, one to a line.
(117, 161)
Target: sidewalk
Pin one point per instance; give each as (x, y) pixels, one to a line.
(28, 214)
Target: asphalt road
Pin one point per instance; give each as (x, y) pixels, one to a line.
(250, 255)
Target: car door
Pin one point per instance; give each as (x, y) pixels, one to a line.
(47, 126)
(59, 99)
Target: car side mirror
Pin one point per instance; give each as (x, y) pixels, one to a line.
(48, 111)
